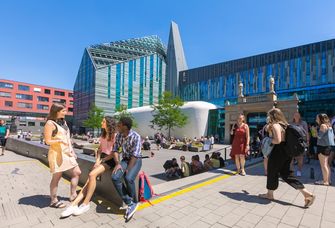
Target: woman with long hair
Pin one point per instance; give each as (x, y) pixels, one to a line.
(325, 145)
(104, 161)
(61, 155)
(240, 145)
(297, 121)
(279, 160)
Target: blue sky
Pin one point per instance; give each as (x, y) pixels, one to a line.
(42, 41)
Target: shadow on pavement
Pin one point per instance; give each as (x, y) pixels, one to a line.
(40, 201)
(246, 197)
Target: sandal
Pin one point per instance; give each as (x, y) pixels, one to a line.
(58, 204)
(265, 196)
(309, 201)
(72, 198)
(321, 183)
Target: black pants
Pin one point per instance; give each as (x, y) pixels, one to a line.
(279, 165)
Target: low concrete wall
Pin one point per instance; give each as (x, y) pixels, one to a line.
(104, 187)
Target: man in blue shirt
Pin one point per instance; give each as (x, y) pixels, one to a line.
(127, 143)
(4, 134)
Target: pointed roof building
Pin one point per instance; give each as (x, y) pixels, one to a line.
(176, 60)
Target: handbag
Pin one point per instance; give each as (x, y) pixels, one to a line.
(266, 146)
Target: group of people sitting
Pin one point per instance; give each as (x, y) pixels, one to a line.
(172, 168)
(184, 144)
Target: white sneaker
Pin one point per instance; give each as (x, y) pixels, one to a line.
(69, 211)
(298, 173)
(82, 209)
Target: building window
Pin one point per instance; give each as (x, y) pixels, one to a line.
(59, 93)
(71, 102)
(9, 103)
(47, 91)
(43, 99)
(42, 124)
(42, 107)
(31, 124)
(38, 90)
(70, 109)
(24, 105)
(6, 85)
(24, 87)
(24, 96)
(70, 94)
(4, 94)
(61, 101)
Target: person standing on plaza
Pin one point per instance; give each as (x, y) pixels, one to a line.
(158, 140)
(61, 155)
(104, 161)
(279, 160)
(4, 134)
(240, 145)
(128, 143)
(325, 146)
(313, 141)
(297, 121)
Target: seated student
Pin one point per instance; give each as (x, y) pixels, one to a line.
(185, 167)
(104, 161)
(215, 160)
(146, 144)
(171, 168)
(208, 165)
(222, 163)
(196, 165)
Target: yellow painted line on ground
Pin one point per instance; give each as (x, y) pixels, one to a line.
(188, 189)
(16, 162)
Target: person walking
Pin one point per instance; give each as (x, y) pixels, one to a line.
(297, 121)
(127, 143)
(240, 145)
(279, 161)
(325, 146)
(104, 161)
(61, 155)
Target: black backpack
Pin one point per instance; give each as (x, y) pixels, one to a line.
(295, 140)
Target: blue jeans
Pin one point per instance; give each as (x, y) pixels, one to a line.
(128, 195)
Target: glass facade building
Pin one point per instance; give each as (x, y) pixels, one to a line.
(128, 72)
(307, 70)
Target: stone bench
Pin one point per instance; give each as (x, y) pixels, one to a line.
(104, 186)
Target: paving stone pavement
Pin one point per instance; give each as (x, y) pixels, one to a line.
(231, 202)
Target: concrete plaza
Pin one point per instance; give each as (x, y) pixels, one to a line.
(225, 201)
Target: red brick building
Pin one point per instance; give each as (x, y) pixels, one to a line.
(31, 103)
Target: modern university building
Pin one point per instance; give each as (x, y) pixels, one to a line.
(129, 72)
(308, 71)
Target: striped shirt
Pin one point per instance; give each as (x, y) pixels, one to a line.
(129, 146)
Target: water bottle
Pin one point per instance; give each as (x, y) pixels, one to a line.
(312, 173)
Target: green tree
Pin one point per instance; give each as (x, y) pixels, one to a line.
(95, 116)
(121, 111)
(167, 113)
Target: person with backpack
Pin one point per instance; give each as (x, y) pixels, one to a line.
(325, 146)
(298, 122)
(265, 135)
(127, 143)
(281, 156)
